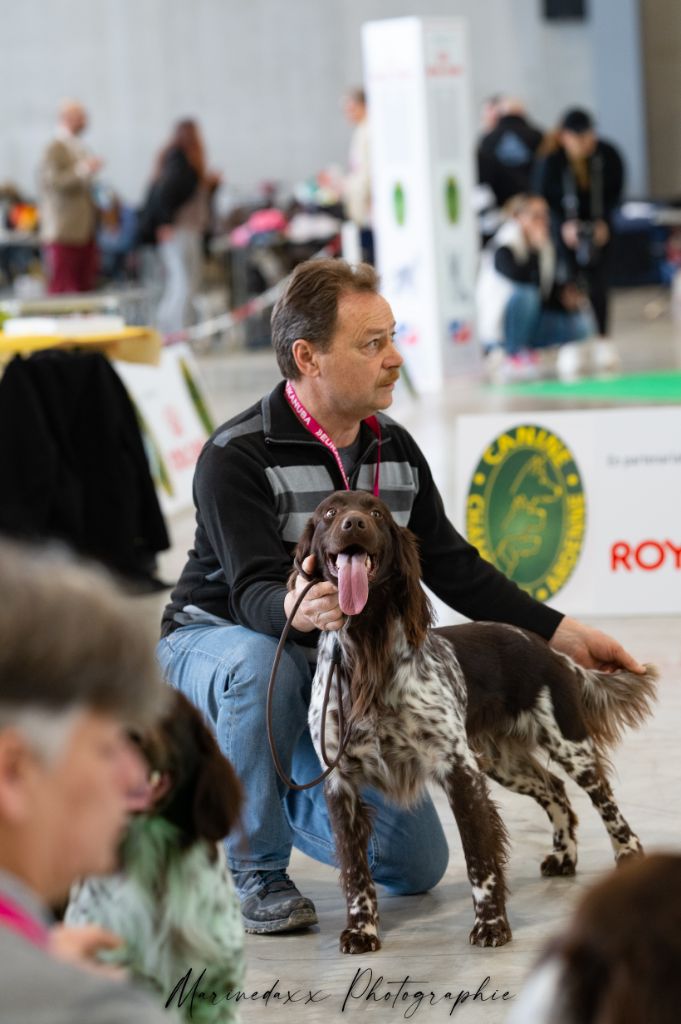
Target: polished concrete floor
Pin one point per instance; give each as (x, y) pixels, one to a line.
(425, 938)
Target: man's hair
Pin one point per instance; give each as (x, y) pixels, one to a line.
(69, 640)
(309, 306)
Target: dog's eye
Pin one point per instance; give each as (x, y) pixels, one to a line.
(330, 513)
(376, 514)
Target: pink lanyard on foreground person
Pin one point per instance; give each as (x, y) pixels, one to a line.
(14, 918)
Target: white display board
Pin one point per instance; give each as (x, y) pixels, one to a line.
(174, 420)
(417, 78)
(582, 509)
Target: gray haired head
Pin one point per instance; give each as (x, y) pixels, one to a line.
(70, 640)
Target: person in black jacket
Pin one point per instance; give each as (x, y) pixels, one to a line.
(258, 479)
(506, 153)
(175, 216)
(582, 180)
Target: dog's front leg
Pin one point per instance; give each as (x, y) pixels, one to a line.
(484, 841)
(351, 826)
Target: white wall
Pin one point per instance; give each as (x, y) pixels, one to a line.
(265, 77)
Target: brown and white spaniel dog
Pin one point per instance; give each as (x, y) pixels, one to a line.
(449, 705)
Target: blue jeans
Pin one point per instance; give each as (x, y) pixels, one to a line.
(527, 325)
(224, 671)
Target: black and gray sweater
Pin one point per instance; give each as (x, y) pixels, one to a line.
(258, 480)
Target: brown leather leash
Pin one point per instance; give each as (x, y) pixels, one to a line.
(334, 669)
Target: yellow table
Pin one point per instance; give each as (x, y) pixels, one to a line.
(132, 344)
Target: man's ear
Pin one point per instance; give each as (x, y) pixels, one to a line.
(305, 355)
(303, 549)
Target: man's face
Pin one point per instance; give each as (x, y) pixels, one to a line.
(75, 118)
(359, 371)
(354, 110)
(80, 798)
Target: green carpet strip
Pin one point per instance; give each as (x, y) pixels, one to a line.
(642, 388)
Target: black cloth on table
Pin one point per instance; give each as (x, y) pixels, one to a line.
(72, 462)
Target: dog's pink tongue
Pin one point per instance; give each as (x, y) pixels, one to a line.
(353, 583)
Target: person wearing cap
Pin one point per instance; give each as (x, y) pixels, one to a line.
(76, 669)
(582, 179)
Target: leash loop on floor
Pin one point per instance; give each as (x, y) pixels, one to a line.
(334, 670)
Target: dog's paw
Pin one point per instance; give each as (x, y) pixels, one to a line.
(496, 932)
(630, 852)
(558, 864)
(353, 940)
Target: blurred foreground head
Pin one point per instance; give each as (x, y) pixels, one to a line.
(77, 669)
(618, 962)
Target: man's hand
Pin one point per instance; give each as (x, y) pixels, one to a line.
(591, 648)
(320, 609)
(80, 944)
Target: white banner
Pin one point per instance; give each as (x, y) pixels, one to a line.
(582, 509)
(174, 420)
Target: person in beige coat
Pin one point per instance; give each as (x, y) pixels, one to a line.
(67, 210)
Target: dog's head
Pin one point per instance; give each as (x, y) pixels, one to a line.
(621, 951)
(192, 784)
(375, 564)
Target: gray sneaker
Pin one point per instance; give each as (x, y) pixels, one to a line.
(270, 902)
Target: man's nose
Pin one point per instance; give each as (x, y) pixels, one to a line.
(394, 357)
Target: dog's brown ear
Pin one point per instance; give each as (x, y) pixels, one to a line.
(303, 549)
(417, 611)
(218, 796)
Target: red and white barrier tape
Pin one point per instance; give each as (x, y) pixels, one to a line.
(226, 321)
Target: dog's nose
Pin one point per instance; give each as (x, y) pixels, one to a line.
(354, 522)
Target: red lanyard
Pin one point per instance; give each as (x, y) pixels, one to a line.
(13, 917)
(310, 424)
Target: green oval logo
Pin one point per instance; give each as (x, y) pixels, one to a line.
(526, 512)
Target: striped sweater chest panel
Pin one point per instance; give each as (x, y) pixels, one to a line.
(297, 491)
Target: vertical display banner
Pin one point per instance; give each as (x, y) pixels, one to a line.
(174, 419)
(582, 509)
(417, 78)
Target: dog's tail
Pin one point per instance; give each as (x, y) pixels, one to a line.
(615, 701)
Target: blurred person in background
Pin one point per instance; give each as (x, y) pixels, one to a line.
(116, 235)
(67, 210)
(507, 151)
(357, 180)
(582, 179)
(618, 962)
(67, 694)
(522, 304)
(176, 216)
